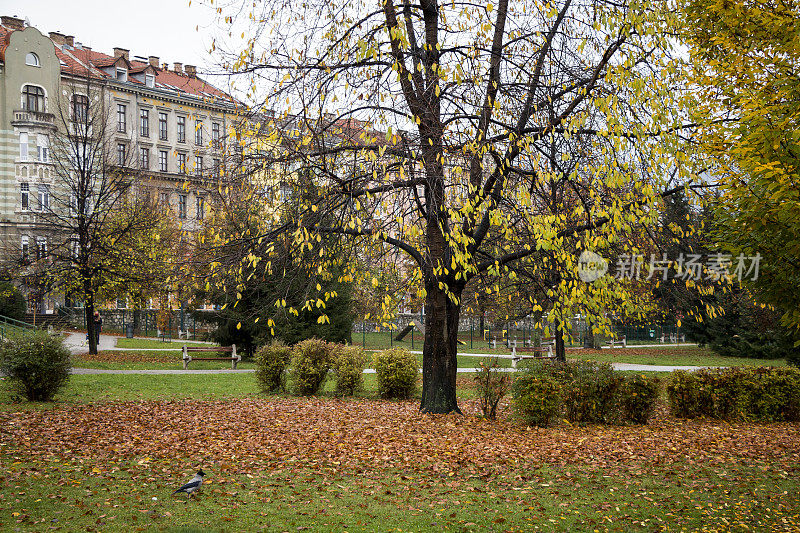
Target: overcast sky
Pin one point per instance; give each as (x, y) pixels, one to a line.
(164, 28)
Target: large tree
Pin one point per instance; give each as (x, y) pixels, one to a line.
(746, 58)
(470, 138)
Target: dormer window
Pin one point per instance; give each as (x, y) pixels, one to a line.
(122, 74)
(149, 80)
(32, 59)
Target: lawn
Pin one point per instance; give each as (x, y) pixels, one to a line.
(672, 356)
(152, 343)
(322, 464)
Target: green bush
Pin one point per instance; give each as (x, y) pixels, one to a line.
(591, 396)
(348, 367)
(271, 361)
(311, 361)
(12, 302)
(764, 394)
(397, 371)
(637, 397)
(537, 399)
(37, 364)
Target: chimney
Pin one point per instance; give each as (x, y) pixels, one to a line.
(12, 22)
(121, 52)
(153, 60)
(178, 68)
(58, 38)
(191, 71)
(70, 39)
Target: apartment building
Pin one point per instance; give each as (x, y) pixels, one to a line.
(169, 125)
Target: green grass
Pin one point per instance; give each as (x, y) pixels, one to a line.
(136, 495)
(677, 356)
(148, 343)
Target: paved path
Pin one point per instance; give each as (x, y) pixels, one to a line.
(76, 342)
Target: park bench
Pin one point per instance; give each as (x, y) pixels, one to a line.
(622, 342)
(234, 358)
(536, 352)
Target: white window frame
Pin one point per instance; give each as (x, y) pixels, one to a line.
(32, 60)
(25, 196)
(43, 197)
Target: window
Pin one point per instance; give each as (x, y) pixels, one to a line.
(149, 80)
(217, 168)
(181, 129)
(162, 126)
(80, 107)
(198, 165)
(162, 160)
(43, 148)
(144, 158)
(32, 59)
(198, 133)
(181, 206)
(33, 98)
(121, 120)
(25, 248)
(215, 134)
(44, 197)
(25, 196)
(163, 199)
(181, 163)
(201, 207)
(41, 248)
(121, 149)
(23, 146)
(122, 74)
(144, 123)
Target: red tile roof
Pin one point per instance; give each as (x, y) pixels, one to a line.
(83, 61)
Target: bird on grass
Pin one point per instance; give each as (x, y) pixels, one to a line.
(193, 484)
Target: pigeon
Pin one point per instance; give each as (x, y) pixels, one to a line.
(193, 484)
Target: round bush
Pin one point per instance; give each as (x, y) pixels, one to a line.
(37, 364)
(311, 361)
(397, 371)
(537, 399)
(348, 367)
(271, 361)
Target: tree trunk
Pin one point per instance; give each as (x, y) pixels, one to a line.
(90, 328)
(561, 352)
(439, 355)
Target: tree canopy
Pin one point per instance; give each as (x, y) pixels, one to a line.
(471, 140)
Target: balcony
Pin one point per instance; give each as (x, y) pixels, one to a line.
(33, 118)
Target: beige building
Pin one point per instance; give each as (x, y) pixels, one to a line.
(166, 123)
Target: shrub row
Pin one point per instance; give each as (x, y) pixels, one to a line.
(582, 392)
(766, 394)
(303, 369)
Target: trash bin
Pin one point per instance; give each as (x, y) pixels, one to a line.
(129, 331)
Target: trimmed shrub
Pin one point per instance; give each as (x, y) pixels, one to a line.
(637, 397)
(492, 386)
(310, 363)
(537, 399)
(591, 396)
(760, 394)
(38, 364)
(397, 371)
(348, 367)
(271, 361)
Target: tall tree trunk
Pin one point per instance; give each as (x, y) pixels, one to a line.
(439, 355)
(561, 352)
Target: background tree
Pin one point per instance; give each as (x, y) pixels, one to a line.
(430, 128)
(746, 57)
(102, 231)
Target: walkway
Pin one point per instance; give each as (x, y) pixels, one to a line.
(76, 342)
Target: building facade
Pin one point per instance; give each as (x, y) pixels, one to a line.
(166, 124)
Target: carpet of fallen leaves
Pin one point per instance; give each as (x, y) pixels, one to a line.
(358, 433)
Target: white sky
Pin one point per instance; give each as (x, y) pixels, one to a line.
(164, 28)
